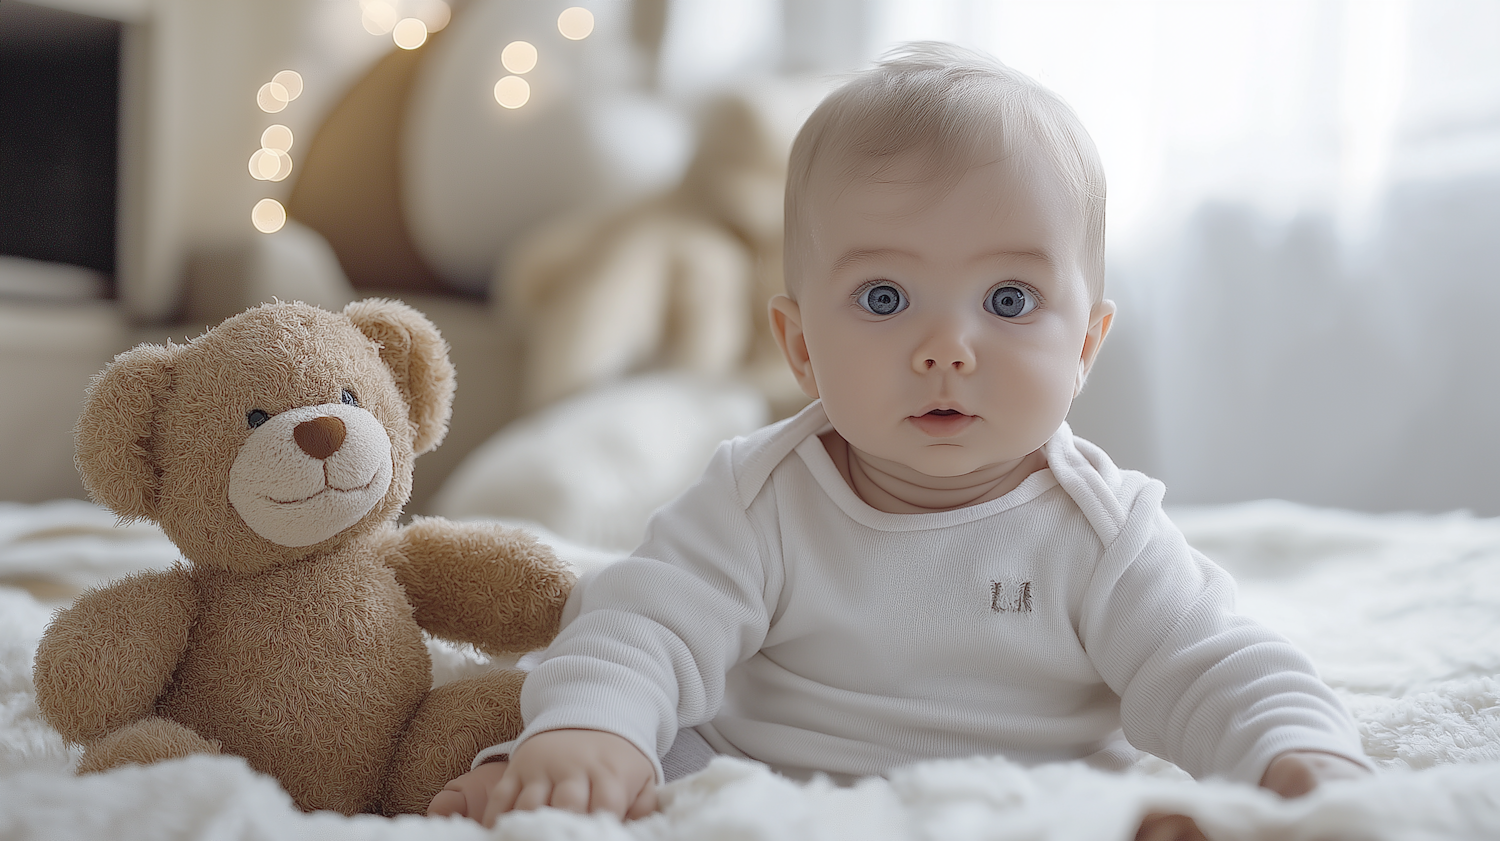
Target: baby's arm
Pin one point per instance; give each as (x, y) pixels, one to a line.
(577, 770)
(645, 655)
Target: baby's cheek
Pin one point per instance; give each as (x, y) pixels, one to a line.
(1038, 389)
(1044, 369)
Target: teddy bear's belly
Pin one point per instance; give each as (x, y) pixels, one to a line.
(311, 688)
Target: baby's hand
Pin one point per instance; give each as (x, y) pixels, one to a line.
(577, 770)
(1159, 827)
(1291, 774)
(467, 795)
(1297, 772)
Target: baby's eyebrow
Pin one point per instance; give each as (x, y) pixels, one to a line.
(855, 256)
(1037, 256)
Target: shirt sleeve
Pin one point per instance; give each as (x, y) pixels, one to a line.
(656, 633)
(1201, 686)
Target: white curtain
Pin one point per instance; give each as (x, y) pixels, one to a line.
(1304, 230)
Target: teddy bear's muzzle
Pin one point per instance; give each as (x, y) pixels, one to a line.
(309, 473)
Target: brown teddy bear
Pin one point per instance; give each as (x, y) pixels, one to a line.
(276, 451)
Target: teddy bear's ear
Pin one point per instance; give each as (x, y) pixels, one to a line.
(112, 436)
(418, 358)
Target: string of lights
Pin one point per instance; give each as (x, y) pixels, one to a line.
(409, 23)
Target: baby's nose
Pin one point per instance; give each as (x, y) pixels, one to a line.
(929, 363)
(320, 437)
(944, 353)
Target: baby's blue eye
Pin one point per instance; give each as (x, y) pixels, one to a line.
(881, 299)
(1009, 301)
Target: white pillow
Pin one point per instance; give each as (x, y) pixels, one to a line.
(593, 468)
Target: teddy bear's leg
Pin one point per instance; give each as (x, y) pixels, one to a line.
(455, 722)
(152, 739)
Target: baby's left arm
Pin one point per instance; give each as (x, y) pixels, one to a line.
(1201, 686)
(1236, 688)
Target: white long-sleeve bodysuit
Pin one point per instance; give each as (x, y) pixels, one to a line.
(789, 622)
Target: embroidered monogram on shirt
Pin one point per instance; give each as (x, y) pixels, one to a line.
(1015, 598)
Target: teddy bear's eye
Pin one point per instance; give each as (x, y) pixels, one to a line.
(349, 398)
(256, 417)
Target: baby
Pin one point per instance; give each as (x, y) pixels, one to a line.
(925, 562)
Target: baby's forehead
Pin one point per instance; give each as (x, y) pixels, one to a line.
(941, 162)
(921, 177)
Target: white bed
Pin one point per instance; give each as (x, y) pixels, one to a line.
(1402, 613)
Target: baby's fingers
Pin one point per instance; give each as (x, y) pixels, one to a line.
(467, 795)
(1160, 827)
(448, 802)
(572, 793)
(645, 802)
(504, 797)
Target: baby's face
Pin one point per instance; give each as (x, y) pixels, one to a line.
(946, 329)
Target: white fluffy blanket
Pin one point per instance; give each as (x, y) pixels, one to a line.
(1401, 612)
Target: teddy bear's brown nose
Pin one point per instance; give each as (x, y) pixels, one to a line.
(320, 437)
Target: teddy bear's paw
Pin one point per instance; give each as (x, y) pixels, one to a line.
(455, 722)
(149, 740)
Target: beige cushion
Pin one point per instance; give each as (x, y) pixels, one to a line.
(347, 189)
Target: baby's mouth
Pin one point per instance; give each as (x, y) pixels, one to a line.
(942, 423)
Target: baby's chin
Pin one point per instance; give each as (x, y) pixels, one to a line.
(942, 463)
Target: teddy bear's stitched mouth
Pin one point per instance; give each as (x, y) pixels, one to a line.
(326, 489)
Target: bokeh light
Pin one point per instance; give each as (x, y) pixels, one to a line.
(272, 97)
(379, 16)
(518, 57)
(575, 23)
(263, 164)
(277, 137)
(512, 92)
(410, 33)
(270, 165)
(268, 216)
(436, 14)
(291, 81)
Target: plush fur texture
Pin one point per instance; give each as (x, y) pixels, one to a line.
(293, 634)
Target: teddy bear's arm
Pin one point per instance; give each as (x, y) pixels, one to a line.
(481, 583)
(103, 662)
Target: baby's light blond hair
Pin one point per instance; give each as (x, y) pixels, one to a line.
(959, 107)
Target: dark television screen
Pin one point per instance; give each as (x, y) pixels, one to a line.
(59, 123)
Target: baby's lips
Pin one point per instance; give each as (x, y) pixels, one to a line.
(942, 425)
(941, 408)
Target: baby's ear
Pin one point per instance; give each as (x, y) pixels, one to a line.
(1101, 318)
(786, 327)
(415, 352)
(112, 438)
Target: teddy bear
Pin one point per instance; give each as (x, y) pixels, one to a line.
(276, 451)
(679, 280)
